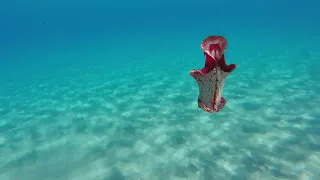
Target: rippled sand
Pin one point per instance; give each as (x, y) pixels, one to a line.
(94, 124)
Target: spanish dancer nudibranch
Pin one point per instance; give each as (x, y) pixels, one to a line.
(211, 78)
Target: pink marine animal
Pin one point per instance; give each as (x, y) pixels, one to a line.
(211, 78)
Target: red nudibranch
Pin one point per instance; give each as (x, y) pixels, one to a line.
(211, 77)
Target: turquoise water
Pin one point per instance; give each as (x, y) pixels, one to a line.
(102, 91)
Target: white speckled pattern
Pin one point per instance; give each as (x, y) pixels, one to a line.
(210, 83)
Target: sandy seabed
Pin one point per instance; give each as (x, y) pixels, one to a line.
(98, 125)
